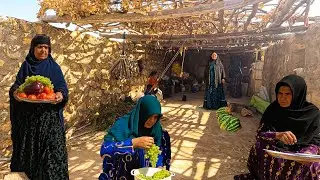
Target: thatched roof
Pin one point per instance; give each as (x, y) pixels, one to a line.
(202, 23)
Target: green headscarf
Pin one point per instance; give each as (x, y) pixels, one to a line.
(131, 125)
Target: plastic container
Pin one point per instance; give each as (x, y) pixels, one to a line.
(148, 171)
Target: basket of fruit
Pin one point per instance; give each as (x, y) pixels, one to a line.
(150, 173)
(36, 89)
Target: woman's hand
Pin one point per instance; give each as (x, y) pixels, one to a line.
(223, 81)
(59, 97)
(144, 142)
(286, 137)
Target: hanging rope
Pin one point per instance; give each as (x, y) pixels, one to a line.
(124, 68)
(183, 58)
(170, 63)
(168, 49)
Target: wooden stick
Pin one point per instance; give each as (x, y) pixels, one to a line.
(269, 31)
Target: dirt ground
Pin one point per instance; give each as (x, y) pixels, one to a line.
(200, 150)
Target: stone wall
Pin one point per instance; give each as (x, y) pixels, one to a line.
(299, 54)
(312, 63)
(85, 61)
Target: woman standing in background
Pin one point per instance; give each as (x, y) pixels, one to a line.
(214, 76)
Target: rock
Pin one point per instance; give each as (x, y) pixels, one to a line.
(16, 176)
(4, 105)
(59, 59)
(252, 109)
(1, 63)
(27, 40)
(245, 112)
(14, 55)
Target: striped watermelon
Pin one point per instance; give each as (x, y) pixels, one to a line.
(226, 121)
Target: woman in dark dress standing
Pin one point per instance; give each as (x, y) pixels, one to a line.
(214, 76)
(37, 129)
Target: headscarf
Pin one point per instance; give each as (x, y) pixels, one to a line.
(131, 125)
(47, 68)
(218, 71)
(301, 117)
(40, 39)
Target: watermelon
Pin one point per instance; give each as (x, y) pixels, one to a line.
(226, 121)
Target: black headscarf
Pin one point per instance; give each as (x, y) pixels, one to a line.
(47, 67)
(301, 117)
(40, 39)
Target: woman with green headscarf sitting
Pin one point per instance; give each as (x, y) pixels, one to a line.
(125, 143)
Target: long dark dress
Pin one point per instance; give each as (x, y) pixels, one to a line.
(214, 97)
(39, 147)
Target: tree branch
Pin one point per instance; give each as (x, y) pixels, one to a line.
(307, 9)
(289, 15)
(221, 19)
(282, 13)
(230, 18)
(211, 22)
(235, 23)
(253, 13)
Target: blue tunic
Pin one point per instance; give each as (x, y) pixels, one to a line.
(119, 158)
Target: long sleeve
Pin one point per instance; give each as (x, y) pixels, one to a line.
(265, 135)
(223, 74)
(110, 148)
(125, 147)
(59, 83)
(312, 149)
(19, 79)
(119, 158)
(160, 161)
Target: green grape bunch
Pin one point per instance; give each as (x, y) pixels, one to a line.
(162, 174)
(143, 177)
(29, 79)
(152, 154)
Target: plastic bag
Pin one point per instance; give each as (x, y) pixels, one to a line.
(260, 104)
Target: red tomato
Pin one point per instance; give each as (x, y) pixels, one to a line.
(22, 95)
(46, 90)
(32, 96)
(51, 96)
(42, 96)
